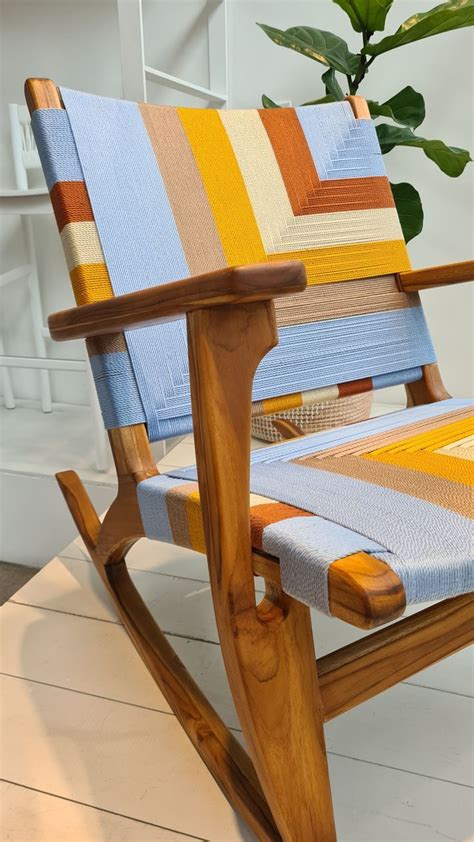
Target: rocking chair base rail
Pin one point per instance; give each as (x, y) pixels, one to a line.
(417, 280)
(363, 669)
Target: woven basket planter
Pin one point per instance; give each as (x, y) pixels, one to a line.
(317, 416)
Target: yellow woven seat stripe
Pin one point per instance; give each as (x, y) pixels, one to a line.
(433, 464)
(431, 440)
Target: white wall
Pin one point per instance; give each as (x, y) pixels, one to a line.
(75, 42)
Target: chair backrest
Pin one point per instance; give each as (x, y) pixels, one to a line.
(25, 153)
(147, 194)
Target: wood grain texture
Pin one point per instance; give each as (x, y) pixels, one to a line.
(359, 107)
(363, 591)
(232, 285)
(436, 276)
(365, 668)
(42, 93)
(429, 389)
(288, 429)
(268, 650)
(217, 746)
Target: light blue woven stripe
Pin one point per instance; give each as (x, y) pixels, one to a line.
(341, 146)
(151, 495)
(397, 378)
(428, 547)
(56, 147)
(137, 231)
(318, 354)
(308, 546)
(319, 442)
(117, 390)
(142, 248)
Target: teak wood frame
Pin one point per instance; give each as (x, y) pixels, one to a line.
(282, 694)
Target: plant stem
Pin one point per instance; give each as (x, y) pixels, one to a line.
(364, 64)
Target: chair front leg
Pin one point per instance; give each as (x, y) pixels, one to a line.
(268, 649)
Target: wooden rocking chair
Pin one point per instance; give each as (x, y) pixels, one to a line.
(230, 212)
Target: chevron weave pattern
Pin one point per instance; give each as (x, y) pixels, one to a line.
(399, 487)
(147, 194)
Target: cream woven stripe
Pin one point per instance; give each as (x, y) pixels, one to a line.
(81, 244)
(319, 302)
(342, 227)
(279, 229)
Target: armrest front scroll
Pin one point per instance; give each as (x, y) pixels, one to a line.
(416, 280)
(232, 285)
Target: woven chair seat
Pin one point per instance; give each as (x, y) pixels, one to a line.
(398, 487)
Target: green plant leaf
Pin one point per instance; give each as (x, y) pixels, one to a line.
(368, 15)
(407, 107)
(409, 209)
(450, 159)
(317, 44)
(454, 14)
(268, 103)
(332, 85)
(321, 101)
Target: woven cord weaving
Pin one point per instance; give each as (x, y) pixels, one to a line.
(146, 194)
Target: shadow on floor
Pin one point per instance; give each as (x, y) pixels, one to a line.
(13, 577)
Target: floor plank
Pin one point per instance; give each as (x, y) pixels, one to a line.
(138, 763)
(116, 757)
(416, 729)
(31, 816)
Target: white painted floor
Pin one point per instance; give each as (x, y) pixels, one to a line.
(92, 753)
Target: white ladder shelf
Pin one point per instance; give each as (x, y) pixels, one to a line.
(136, 73)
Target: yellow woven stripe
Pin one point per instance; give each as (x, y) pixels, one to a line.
(271, 405)
(225, 188)
(431, 440)
(434, 464)
(91, 282)
(195, 524)
(349, 262)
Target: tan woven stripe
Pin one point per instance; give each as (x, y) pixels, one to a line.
(441, 492)
(112, 343)
(352, 298)
(177, 514)
(366, 445)
(186, 193)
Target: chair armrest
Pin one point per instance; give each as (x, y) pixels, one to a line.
(232, 285)
(436, 276)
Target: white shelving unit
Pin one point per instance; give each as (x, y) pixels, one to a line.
(136, 73)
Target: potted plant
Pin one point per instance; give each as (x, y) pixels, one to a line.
(344, 73)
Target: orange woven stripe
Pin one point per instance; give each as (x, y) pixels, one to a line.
(349, 194)
(355, 387)
(71, 203)
(265, 514)
(292, 153)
